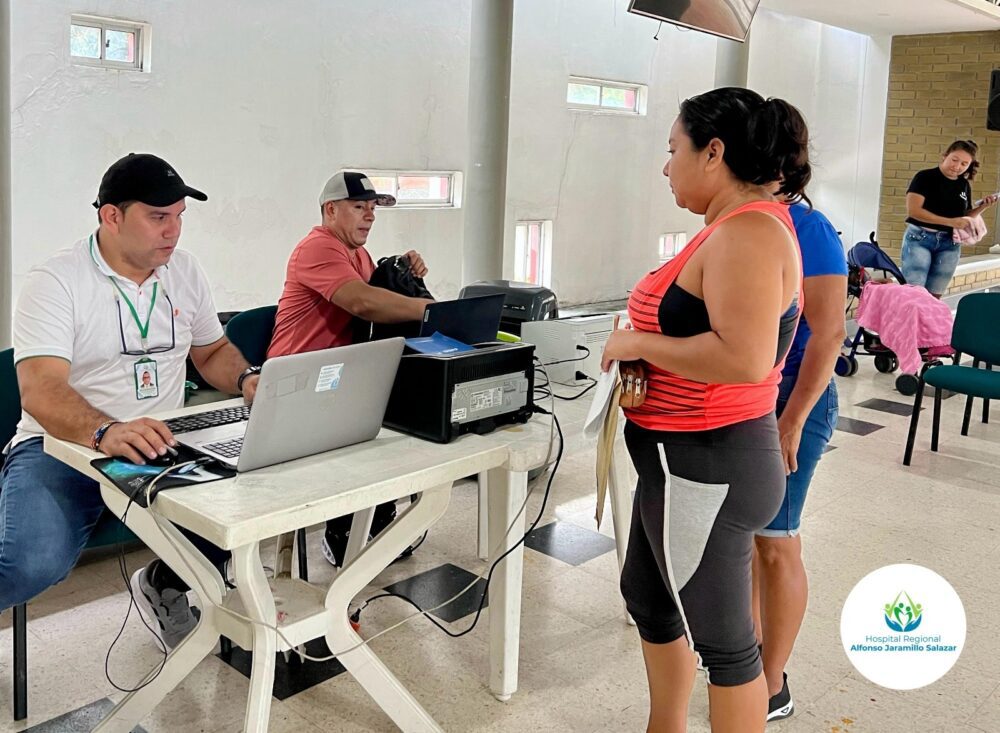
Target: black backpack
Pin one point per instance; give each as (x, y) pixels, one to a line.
(392, 273)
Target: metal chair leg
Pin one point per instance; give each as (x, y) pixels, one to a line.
(968, 405)
(914, 419)
(936, 427)
(20, 662)
(968, 415)
(986, 402)
(300, 540)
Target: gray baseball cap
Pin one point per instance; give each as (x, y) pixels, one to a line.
(353, 186)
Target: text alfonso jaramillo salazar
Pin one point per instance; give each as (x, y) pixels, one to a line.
(903, 643)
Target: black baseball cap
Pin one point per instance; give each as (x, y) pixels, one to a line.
(146, 178)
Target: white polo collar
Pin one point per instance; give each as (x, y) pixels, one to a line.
(105, 269)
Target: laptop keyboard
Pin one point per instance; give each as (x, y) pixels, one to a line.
(229, 448)
(210, 419)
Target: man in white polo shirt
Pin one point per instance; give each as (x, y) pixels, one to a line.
(101, 334)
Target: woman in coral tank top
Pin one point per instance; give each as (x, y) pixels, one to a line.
(712, 327)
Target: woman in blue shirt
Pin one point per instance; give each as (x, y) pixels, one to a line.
(807, 414)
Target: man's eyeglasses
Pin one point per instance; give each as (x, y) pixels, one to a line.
(153, 349)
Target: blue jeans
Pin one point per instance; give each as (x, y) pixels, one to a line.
(816, 433)
(929, 258)
(47, 512)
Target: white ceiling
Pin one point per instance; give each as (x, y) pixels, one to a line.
(895, 17)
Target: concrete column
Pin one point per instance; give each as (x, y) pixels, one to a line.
(731, 62)
(6, 246)
(486, 171)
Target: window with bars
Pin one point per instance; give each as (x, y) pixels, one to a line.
(108, 42)
(533, 252)
(606, 96)
(419, 189)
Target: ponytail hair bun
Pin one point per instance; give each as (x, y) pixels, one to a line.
(766, 140)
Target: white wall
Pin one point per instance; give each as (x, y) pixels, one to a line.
(839, 80)
(256, 104)
(597, 176)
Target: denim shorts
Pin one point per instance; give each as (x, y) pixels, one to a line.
(816, 433)
(929, 258)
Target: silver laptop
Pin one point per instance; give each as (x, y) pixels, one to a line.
(306, 404)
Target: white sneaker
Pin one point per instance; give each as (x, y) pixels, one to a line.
(995, 249)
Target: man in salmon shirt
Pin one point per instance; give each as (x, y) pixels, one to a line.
(326, 282)
(326, 286)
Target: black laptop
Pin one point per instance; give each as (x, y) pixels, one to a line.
(469, 320)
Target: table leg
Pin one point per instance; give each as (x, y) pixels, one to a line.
(258, 603)
(171, 546)
(482, 525)
(283, 551)
(182, 660)
(383, 687)
(507, 493)
(177, 551)
(361, 527)
(620, 491)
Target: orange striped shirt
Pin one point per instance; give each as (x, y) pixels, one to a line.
(674, 403)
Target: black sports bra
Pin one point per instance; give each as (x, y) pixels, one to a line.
(682, 315)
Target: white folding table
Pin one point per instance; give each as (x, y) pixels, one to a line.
(238, 514)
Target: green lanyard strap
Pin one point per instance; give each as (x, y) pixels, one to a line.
(143, 329)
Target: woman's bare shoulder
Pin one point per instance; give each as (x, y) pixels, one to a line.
(767, 234)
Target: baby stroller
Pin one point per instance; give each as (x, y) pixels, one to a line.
(862, 259)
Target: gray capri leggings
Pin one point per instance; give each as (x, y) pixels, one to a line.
(724, 485)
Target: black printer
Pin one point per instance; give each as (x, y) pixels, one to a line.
(442, 396)
(522, 301)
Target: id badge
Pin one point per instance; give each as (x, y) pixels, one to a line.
(146, 386)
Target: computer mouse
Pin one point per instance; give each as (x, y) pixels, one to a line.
(167, 459)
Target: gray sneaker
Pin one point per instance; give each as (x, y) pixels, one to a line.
(168, 612)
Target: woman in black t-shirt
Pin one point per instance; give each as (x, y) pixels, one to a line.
(938, 201)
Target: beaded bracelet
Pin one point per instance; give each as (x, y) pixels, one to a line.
(95, 441)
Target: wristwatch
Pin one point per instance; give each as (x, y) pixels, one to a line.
(244, 374)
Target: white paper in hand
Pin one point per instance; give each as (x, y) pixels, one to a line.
(601, 403)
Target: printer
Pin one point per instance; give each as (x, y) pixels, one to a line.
(442, 396)
(522, 301)
(570, 348)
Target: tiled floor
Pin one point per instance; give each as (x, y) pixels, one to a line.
(581, 667)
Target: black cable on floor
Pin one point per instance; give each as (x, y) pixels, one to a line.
(593, 383)
(489, 575)
(123, 569)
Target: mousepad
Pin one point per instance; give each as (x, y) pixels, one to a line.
(186, 468)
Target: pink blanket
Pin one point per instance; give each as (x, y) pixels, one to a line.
(906, 317)
(971, 234)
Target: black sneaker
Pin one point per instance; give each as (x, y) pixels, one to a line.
(781, 706)
(338, 532)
